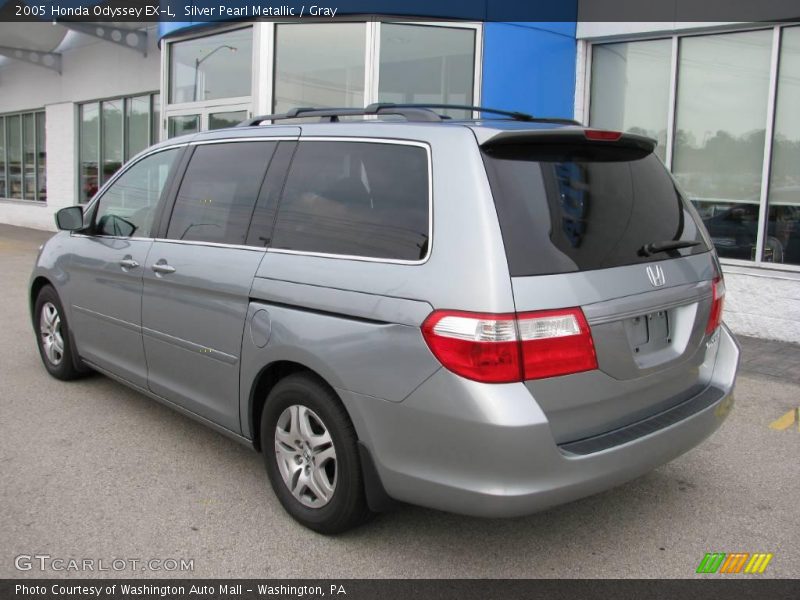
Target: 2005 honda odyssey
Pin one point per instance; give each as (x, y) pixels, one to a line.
(486, 316)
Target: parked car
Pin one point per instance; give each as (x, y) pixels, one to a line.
(734, 231)
(488, 316)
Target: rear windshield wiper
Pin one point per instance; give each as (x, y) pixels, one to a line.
(656, 247)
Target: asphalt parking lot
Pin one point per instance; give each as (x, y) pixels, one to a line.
(91, 469)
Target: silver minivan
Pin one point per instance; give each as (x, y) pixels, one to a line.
(486, 316)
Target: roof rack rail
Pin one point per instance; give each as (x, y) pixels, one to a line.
(332, 115)
(411, 112)
(515, 115)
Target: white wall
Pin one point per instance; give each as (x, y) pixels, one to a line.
(91, 69)
(762, 303)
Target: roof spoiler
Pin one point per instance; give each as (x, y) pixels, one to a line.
(572, 136)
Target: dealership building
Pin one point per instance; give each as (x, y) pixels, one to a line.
(77, 100)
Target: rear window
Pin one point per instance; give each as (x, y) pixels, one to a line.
(356, 199)
(566, 209)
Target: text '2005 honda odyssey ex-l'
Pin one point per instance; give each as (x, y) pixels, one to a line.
(485, 316)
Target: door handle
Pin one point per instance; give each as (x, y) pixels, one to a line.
(162, 268)
(128, 263)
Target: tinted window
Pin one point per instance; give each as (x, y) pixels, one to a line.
(357, 199)
(218, 192)
(128, 207)
(576, 212)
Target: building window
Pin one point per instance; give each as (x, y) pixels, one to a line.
(183, 124)
(111, 132)
(342, 64)
(23, 156)
(630, 88)
(720, 121)
(211, 67)
(726, 134)
(231, 118)
(138, 113)
(319, 65)
(2, 157)
(782, 243)
(111, 140)
(420, 63)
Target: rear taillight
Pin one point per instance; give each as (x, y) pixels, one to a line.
(718, 299)
(602, 135)
(511, 347)
(555, 342)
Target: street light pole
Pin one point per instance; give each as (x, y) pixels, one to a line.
(199, 61)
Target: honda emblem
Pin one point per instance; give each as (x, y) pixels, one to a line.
(656, 275)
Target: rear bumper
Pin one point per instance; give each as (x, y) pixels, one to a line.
(487, 450)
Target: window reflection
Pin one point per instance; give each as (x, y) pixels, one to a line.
(183, 124)
(22, 156)
(211, 67)
(630, 88)
(2, 157)
(111, 132)
(721, 109)
(112, 138)
(319, 65)
(221, 120)
(420, 63)
(89, 150)
(41, 158)
(14, 153)
(782, 243)
(128, 207)
(29, 156)
(573, 197)
(138, 122)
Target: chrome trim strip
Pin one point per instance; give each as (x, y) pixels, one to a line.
(260, 138)
(191, 346)
(169, 241)
(211, 244)
(366, 140)
(619, 309)
(345, 257)
(108, 319)
(112, 237)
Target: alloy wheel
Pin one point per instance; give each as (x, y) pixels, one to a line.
(50, 331)
(306, 456)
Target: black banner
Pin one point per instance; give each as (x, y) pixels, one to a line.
(478, 10)
(392, 589)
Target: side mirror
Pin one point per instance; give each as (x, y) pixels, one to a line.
(70, 218)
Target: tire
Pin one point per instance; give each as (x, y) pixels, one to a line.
(53, 336)
(326, 475)
(774, 244)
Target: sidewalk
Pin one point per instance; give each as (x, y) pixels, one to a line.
(773, 359)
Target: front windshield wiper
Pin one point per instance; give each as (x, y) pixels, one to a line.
(656, 247)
